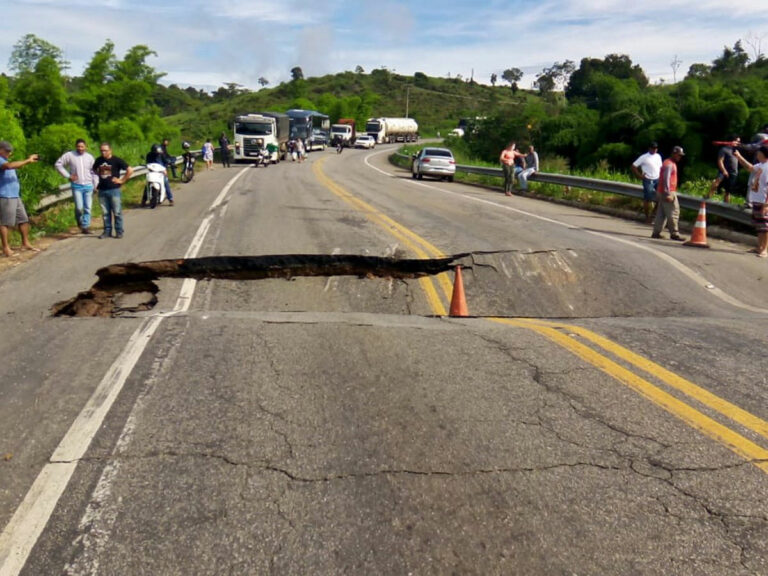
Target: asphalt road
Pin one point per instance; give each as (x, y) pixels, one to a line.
(603, 411)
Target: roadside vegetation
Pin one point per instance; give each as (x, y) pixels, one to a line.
(590, 119)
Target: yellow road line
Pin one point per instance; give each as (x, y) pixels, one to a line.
(418, 245)
(742, 446)
(739, 415)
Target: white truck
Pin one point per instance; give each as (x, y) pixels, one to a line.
(260, 130)
(386, 130)
(342, 133)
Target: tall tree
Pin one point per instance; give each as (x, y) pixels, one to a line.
(494, 78)
(732, 61)
(297, 73)
(555, 77)
(513, 76)
(28, 51)
(40, 96)
(263, 81)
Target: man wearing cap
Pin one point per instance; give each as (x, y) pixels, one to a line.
(12, 212)
(668, 207)
(647, 168)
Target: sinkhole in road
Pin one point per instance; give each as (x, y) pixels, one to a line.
(556, 283)
(131, 287)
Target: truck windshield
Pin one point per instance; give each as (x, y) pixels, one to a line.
(340, 129)
(372, 127)
(253, 128)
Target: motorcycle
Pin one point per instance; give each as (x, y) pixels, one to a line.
(188, 167)
(154, 189)
(263, 158)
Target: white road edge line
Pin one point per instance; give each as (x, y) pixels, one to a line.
(676, 264)
(28, 522)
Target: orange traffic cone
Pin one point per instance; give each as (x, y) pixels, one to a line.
(699, 236)
(458, 302)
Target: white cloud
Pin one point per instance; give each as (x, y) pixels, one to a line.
(207, 43)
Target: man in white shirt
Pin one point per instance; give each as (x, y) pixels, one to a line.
(647, 167)
(77, 167)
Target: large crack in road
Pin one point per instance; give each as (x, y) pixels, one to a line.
(131, 287)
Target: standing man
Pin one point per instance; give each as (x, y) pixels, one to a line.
(108, 169)
(12, 212)
(168, 160)
(647, 167)
(224, 147)
(727, 170)
(507, 159)
(77, 167)
(531, 166)
(668, 207)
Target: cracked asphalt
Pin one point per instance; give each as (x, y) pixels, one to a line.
(335, 425)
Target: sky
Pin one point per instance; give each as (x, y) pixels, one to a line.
(208, 43)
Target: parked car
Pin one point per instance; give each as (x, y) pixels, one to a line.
(365, 141)
(437, 162)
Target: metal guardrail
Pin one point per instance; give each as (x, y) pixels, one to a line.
(720, 209)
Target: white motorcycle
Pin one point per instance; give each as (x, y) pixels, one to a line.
(154, 190)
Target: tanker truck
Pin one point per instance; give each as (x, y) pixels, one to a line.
(386, 130)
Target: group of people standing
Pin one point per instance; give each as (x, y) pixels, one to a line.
(659, 179)
(515, 164)
(105, 174)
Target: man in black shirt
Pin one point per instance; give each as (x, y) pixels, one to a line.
(109, 169)
(727, 170)
(224, 149)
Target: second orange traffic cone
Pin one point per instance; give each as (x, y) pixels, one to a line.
(699, 236)
(458, 301)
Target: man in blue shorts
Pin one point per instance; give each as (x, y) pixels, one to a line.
(12, 212)
(647, 167)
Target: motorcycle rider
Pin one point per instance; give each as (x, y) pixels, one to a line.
(189, 159)
(157, 156)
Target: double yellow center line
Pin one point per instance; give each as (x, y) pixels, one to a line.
(573, 338)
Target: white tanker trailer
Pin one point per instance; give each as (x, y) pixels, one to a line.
(386, 130)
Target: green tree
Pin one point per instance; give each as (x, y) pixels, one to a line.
(732, 61)
(28, 52)
(55, 139)
(297, 73)
(513, 76)
(580, 85)
(40, 96)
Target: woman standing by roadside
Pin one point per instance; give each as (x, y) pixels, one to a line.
(507, 159)
(208, 154)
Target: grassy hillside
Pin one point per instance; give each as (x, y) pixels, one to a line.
(435, 103)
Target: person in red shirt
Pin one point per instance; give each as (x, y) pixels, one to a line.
(668, 207)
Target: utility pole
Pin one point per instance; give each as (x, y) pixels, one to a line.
(407, 98)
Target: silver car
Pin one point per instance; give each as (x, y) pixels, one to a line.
(437, 162)
(365, 141)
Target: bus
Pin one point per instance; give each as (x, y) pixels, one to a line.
(311, 126)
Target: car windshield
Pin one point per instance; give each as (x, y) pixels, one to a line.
(253, 128)
(438, 152)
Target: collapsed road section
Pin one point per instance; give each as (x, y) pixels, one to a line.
(131, 287)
